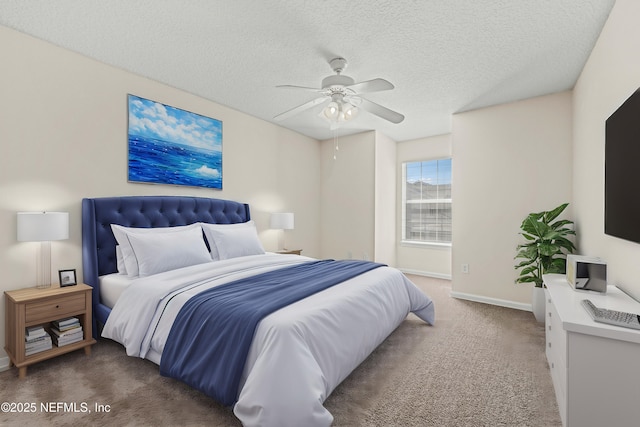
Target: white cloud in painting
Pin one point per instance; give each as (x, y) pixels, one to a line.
(154, 120)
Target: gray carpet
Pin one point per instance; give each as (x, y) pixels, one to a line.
(480, 365)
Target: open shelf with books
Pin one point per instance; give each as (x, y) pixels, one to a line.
(66, 331)
(36, 340)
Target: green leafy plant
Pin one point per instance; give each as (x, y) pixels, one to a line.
(546, 247)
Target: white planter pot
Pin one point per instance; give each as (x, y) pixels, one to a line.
(538, 304)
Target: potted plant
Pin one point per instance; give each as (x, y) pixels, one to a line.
(544, 252)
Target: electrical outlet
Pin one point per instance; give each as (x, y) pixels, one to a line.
(465, 268)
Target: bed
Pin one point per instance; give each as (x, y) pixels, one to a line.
(292, 358)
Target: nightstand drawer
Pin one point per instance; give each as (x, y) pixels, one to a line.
(54, 308)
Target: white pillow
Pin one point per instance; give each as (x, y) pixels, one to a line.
(122, 269)
(232, 240)
(122, 234)
(168, 251)
(206, 227)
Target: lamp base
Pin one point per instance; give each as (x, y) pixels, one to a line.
(43, 266)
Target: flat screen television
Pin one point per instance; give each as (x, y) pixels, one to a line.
(622, 171)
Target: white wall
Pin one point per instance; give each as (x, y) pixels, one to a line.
(63, 136)
(425, 260)
(610, 76)
(508, 161)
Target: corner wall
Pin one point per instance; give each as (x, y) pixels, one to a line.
(508, 161)
(358, 196)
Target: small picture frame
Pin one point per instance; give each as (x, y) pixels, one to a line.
(67, 277)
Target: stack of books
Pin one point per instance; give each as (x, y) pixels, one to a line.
(36, 340)
(66, 331)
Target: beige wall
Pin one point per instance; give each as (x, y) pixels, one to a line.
(508, 161)
(347, 197)
(385, 200)
(425, 260)
(358, 193)
(63, 136)
(610, 76)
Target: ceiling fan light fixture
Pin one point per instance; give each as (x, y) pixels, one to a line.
(349, 111)
(339, 111)
(332, 110)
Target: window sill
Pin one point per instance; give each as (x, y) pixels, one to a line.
(425, 245)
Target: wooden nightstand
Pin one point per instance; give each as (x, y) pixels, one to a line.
(33, 306)
(290, 251)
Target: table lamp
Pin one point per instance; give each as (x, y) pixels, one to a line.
(43, 227)
(282, 221)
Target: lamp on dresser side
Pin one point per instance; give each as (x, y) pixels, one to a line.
(282, 221)
(43, 227)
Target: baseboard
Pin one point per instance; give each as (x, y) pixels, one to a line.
(4, 363)
(492, 301)
(426, 273)
(471, 297)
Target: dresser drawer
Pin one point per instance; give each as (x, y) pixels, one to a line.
(54, 308)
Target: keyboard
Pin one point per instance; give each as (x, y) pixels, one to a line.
(612, 317)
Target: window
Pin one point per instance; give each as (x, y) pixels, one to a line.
(426, 201)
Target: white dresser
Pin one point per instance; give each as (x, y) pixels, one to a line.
(595, 367)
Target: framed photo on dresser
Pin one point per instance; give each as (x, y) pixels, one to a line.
(67, 277)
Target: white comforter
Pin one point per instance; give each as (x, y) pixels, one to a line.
(299, 353)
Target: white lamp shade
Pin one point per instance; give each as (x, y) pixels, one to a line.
(43, 226)
(282, 220)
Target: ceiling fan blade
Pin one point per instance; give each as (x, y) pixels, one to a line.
(301, 108)
(375, 85)
(380, 111)
(312, 89)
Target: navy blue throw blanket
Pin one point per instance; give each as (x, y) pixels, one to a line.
(209, 341)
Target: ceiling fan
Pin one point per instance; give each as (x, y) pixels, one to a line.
(344, 96)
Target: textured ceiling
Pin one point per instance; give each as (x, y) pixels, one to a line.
(443, 56)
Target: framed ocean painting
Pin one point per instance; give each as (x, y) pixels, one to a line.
(168, 145)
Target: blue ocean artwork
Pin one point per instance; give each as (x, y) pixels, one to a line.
(168, 145)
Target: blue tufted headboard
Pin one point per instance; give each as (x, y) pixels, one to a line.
(99, 245)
